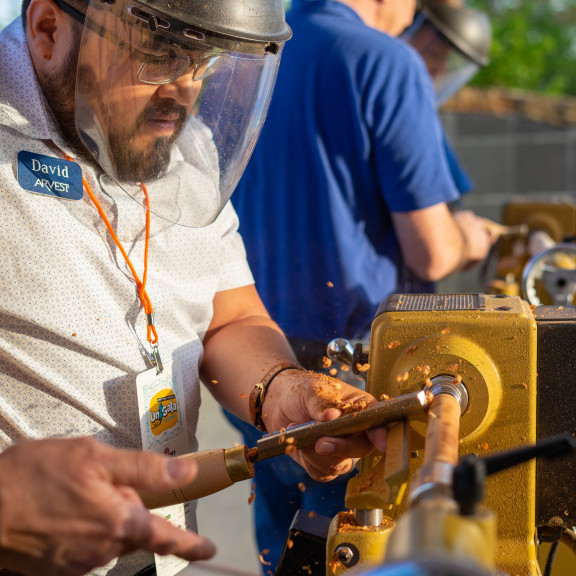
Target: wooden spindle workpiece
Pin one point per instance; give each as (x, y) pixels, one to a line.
(442, 433)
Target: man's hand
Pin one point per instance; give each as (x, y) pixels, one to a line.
(242, 345)
(67, 506)
(476, 236)
(296, 397)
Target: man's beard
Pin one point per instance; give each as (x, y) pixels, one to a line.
(134, 163)
(130, 162)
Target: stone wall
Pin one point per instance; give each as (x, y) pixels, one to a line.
(511, 143)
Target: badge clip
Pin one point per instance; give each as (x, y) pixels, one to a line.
(156, 360)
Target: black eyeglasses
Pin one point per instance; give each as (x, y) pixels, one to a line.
(166, 67)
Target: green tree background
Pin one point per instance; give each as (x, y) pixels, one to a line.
(534, 45)
(9, 9)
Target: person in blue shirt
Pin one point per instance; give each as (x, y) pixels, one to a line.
(345, 201)
(454, 42)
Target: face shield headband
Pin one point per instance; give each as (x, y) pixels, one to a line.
(179, 109)
(449, 68)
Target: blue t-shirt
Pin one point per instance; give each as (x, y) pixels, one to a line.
(462, 180)
(351, 135)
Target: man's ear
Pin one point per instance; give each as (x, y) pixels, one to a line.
(47, 32)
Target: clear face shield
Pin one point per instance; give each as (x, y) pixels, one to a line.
(174, 108)
(449, 68)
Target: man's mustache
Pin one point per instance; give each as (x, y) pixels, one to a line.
(167, 111)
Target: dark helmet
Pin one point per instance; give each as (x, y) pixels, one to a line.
(453, 40)
(469, 31)
(255, 21)
(251, 20)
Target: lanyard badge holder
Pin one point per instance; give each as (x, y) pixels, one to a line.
(161, 399)
(152, 335)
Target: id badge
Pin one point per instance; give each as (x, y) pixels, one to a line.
(161, 406)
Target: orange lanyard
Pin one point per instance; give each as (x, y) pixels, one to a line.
(141, 285)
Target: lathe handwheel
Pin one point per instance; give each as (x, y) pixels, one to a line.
(550, 275)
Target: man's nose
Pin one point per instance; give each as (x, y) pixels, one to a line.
(183, 90)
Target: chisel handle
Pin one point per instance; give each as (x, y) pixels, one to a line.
(217, 469)
(497, 229)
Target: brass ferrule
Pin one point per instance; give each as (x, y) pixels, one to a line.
(238, 466)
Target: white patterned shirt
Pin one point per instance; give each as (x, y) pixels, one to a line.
(72, 329)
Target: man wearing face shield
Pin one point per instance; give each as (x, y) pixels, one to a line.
(454, 42)
(124, 127)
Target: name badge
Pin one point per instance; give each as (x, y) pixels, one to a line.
(165, 430)
(50, 176)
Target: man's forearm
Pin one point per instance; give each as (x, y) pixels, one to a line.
(436, 242)
(237, 356)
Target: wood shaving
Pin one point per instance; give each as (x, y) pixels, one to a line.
(252, 493)
(334, 565)
(328, 389)
(261, 558)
